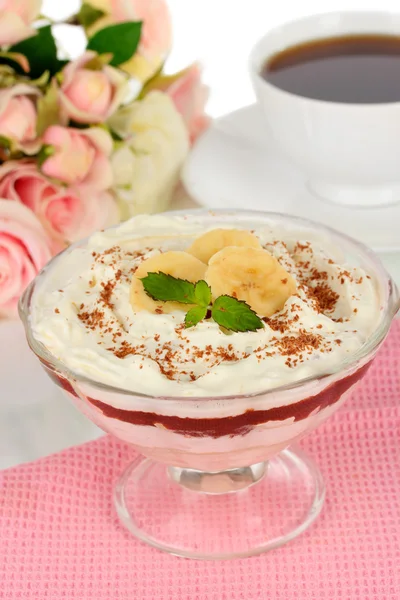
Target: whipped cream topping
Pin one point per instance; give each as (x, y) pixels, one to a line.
(81, 312)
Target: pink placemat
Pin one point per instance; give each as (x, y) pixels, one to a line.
(60, 538)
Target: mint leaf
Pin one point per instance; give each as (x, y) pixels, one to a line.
(195, 315)
(228, 312)
(121, 40)
(89, 15)
(202, 292)
(166, 288)
(41, 52)
(235, 315)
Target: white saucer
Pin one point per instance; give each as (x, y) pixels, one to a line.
(236, 165)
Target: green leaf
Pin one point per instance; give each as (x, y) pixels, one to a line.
(45, 152)
(161, 81)
(48, 110)
(121, 40)
(18, 58)
(61, 64)
(235, 315)
(8, 76)
(98, 61)
(89, 15)
(160, 286)
(41, 52)
(195, 315)
(5, 142)
(230, 313)
(202, 292)
(5, 149)
(41, 81)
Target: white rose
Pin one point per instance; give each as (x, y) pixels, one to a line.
(148, 163)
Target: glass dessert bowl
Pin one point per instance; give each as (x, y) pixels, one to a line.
(216, 407)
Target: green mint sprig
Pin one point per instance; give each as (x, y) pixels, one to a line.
(228, 312)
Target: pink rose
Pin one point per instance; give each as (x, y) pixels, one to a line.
(156, 35)
(190, 95)
(16, 17)
(80, 156)
(68, 214)
(75, 213)
(24, 249)
(18, 116)
(91, 96)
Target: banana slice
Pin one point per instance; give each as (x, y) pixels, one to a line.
(177, 264)
(252, 275)
(208, 244)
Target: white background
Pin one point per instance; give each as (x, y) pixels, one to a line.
(34, 418)
(221, 33)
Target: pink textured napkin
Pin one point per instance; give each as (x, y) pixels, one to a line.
(60, 538)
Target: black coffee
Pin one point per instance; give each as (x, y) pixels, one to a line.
(351, 68)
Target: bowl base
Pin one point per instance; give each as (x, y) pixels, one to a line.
(155, 507)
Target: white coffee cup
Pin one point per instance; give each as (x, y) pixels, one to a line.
(350, 152)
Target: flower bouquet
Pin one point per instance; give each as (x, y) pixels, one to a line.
(88, 142)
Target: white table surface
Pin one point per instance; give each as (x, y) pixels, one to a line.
(35, 419)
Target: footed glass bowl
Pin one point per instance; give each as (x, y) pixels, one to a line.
(220, 477)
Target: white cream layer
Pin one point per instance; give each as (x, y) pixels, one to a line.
(77, 278)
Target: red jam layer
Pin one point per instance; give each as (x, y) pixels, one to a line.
(238, 424)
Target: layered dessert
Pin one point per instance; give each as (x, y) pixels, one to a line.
(189, 340)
